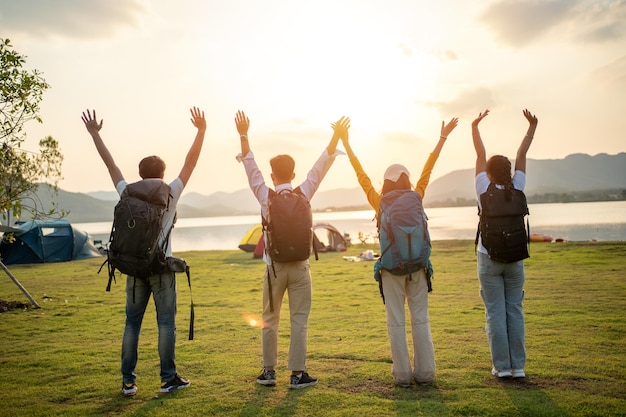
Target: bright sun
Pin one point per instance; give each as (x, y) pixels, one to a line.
(376, 79)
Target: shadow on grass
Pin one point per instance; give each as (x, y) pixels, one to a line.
(270, 398)
(142, 404)
(528, 394)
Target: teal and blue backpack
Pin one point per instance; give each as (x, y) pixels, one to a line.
(403, 234)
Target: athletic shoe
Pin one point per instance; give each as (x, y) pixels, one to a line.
(403, 384)
(174, 384)
(519, 373)
(129, 389)
(501, 374)
(301, 381)
(267, 378)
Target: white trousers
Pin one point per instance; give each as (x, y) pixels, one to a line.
(397, 289)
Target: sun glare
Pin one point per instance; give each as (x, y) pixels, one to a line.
(377, 81)
(251, 320)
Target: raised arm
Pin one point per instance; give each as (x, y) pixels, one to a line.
(373, 197)
(446, 129)
(93, 127)
(481, 154)
(243, 124)
(424, 179)
(520, 159)
(197, 119)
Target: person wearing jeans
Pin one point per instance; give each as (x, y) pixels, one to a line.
(161, 286)
(502, 283)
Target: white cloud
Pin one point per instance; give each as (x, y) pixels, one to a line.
(518, 23)
(601, 22)
(70, 18)
(469, 102)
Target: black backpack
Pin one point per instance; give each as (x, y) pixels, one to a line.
(289, 226)
(501, 225)
(137, 245)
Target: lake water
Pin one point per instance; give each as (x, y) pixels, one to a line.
(600, 221)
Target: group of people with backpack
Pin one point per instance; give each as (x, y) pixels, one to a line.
(403, 271)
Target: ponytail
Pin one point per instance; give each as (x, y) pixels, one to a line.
(499, 170)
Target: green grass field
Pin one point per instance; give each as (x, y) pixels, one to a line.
(64, 358)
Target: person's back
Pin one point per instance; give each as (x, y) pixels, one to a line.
(162, 285)
(290, 273)
(402, 273)
(500, 260)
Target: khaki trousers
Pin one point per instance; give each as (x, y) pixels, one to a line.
(295, 278)
(397, 289)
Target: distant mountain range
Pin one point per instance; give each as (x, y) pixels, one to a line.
(575, 173)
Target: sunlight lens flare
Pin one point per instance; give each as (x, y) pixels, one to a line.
(252, 320)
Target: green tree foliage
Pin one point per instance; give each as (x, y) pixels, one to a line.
(21, 92)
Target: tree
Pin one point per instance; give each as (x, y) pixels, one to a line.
(21, 92)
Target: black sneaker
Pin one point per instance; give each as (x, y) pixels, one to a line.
(174, 384)
(129, 389)
(301, 381)
(267, 378)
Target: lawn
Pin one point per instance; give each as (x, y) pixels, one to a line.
(64, 358)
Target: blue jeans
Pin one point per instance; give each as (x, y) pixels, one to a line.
(163, 289)
(502, 291)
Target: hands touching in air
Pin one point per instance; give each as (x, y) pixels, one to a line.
(340, 128)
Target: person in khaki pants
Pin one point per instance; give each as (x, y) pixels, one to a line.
(410, 287)
(293, 277)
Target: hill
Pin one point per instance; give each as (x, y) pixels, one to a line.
(576, 173)
(576, 177)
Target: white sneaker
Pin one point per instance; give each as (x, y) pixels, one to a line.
(501, 374)
(519, 373)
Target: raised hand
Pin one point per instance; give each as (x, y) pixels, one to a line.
(532, 119)
(91, 122)
(197, 118)
(242, 122)
(480, 117)
(446, 129)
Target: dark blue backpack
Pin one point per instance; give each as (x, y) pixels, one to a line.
(403, 233)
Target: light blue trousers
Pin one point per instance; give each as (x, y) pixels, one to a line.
(163, 289)
(502, 291)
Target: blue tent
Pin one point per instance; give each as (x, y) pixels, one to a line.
(39, 241)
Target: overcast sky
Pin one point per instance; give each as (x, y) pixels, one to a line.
(396, 67)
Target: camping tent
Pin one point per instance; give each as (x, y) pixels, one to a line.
(251, 238)
(327, 239)
(38, 241)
